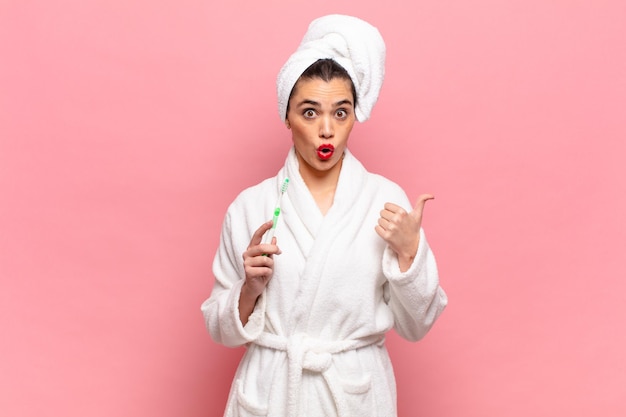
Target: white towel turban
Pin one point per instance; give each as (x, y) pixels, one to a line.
(351, 42)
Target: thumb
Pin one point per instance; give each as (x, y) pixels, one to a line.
(274, 242)
(421, 202)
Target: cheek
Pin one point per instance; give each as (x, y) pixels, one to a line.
(299, 134)
(346, 134)
(297, 139)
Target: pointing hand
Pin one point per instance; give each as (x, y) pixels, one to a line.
(401, 230)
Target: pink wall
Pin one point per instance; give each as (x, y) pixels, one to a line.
(126, 128)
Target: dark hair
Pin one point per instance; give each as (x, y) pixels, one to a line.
(325, 69)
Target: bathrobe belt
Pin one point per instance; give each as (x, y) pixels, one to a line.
(315, 355)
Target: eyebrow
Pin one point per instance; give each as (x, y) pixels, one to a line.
(317, 104)
(343, 102)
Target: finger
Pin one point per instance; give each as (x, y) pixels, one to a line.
(421, 203)
(268, 249)
(254, 258)
(391, 212)
(265, 249)
(258, 271)
(258, 234)
(381, 231)
(393, 208)
(278, 251)
(259, 265)
(384, 223)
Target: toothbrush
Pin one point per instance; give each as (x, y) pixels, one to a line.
(270, 234)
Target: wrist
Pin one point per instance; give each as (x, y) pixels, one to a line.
(247, 302)
(405, 262)
(405, 258)
(248, 294)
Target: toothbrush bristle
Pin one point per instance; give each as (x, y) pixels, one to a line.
(285, 185)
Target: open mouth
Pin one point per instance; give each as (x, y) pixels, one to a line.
(325, 151)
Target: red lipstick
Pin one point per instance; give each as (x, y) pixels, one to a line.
(325, 152)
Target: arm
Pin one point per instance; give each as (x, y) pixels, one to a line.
(414, 295)
(235, 312)
(413, 292)
(259, 268)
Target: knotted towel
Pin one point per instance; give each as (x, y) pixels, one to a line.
(351, 42)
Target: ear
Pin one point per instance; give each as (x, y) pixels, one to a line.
(287, 124)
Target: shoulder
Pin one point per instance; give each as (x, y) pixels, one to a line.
(253, 196)
(386, 189)
(384, 183)
(249, 207)
(376, 186)
(255, 192)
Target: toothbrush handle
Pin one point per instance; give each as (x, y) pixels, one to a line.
(269, 235)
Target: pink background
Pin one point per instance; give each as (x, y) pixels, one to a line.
(127, 127)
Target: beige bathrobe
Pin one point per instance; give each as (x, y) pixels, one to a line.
(315, 341)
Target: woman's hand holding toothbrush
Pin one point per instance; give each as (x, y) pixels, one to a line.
(259, 267)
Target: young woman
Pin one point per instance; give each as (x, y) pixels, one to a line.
(349, 260)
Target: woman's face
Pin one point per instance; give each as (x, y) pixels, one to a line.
(321, 117)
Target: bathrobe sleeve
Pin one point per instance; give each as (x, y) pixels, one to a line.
(221, 309)
(414, 296)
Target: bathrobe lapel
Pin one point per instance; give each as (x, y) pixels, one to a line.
(315, 234)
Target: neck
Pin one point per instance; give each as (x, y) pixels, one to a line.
(321, 184)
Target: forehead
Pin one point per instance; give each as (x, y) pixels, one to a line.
(317, 89)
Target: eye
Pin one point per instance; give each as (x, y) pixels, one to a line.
(309, 113)
(341, 114)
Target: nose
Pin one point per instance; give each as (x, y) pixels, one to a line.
(327, 129)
